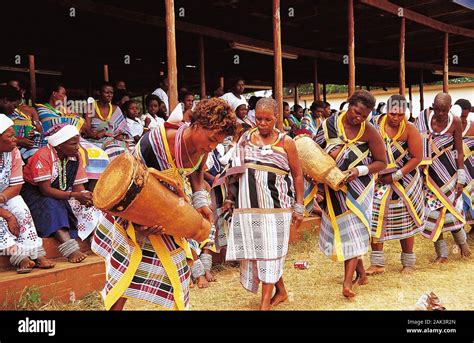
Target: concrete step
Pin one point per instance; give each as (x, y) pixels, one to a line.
(52, 251)
(63, 282)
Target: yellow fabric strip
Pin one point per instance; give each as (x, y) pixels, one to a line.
(383, 204)
(439, 228)
(310, 196)
(432, 187)
(97, 110)
(121, 286)
(170, 269)
(339, 254)
(409, 202)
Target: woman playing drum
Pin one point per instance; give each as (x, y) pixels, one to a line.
(144, 262)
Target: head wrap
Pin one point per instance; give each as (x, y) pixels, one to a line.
(235, 102)
(5, 123)
(65, 133)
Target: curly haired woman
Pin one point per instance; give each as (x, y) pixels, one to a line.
(159, 273)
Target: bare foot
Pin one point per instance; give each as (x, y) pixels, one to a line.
(44, 263)
(279, 297)
(348, 292)
(470, 235)
(76, 257)
(360, 280)
(441, 260)
(407, 270)
(373, 270)
(209, 276)
(202, 282)
(465, 251)
(191, 283)
(26, 266)
(265, 307)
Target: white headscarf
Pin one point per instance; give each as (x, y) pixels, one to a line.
(65, 133)
(235, 103)
(5, 123)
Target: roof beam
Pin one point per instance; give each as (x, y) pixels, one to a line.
(146, 19)
(419, 18)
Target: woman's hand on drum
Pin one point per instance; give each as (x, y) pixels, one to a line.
(352, 174)
(206, 213)
(84, 198)
(150, 230)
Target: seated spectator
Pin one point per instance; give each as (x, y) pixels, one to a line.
(18, 237)
(55, 193)
(155, 115)
(130, 109)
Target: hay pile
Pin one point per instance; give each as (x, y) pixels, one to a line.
(320, 286)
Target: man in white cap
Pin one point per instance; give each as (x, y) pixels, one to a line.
(18, 237)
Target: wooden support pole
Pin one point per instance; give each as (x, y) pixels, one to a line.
(410, 98)
(446, 64)
(296, 96)
(324, 91)
(402, 57)
(278, 61)
(422, 100)
(316, 91)
(202, 67)
(106, 72)
(171, 54)
(221, 83)
(351, 47)
(31, 64)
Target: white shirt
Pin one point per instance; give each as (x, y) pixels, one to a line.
(164, 97)
(154, 122)
(232, 99)
(136, 128)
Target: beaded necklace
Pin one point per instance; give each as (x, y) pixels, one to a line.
(62, 174)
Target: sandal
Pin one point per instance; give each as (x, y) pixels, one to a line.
(24, 270)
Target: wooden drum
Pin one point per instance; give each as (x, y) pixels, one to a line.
(130, 190)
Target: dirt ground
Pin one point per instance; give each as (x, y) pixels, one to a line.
(320, 286)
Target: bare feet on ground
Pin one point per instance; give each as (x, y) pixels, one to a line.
(279, 297)
(202, 282)
(407, 270)
(373, 270)
(465, 251)
(441, 260)
(210, 277)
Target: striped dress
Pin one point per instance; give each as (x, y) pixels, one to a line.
(399, 207)
(468, 148)
(115, 123)
(440, 173)
(347, 213)
(152, 269)
(260, 227)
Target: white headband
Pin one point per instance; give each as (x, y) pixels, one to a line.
(5, 123)
(65, 133)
